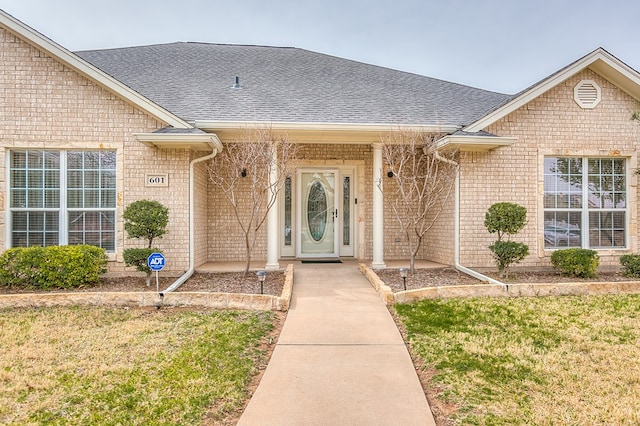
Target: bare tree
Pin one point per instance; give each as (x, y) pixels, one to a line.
(250, 173)
(422, 181)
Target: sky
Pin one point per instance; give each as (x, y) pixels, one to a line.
(499, 45)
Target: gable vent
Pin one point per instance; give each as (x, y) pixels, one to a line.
(587, 94)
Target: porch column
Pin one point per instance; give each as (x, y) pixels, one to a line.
(272, 218)
(378, 210)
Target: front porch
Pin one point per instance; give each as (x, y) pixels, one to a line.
(211, 267)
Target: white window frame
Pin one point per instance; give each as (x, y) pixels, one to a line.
(63, 209)
(584, 209)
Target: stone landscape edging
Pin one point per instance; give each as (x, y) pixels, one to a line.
(254, 302)
(384, 291)
(493, 290)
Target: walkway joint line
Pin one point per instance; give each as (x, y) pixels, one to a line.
(340, 344)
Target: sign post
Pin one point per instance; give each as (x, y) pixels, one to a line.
(155, 262)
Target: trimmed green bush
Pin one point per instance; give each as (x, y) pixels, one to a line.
(138, 257)
(55, 267)
(506, 253)
(505, 218)
(576, 262)
(630, 265)
(146, 219)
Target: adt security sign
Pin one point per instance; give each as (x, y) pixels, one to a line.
(155, 262)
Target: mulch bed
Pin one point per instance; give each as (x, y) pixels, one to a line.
(222, 282)
(231, 282)
(449, 276)
(421, 278)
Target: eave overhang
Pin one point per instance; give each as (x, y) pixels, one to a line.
(317, 133)
(473, 143)
(195, 142)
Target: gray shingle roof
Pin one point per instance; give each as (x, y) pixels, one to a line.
(172, 130)
(193, 81)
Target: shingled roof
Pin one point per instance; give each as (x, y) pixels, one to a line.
(280, 84)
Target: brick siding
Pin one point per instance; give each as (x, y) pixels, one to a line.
(46, 105)
(550, 125)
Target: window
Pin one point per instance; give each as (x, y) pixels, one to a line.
(35, 198)
(585, 202)
(346, 210)
(287, 211)
(63, 197)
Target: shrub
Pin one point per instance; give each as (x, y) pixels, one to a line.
(576, 262)
(146, 219)
(507, 253)
(505, 218)
(630, 265)
(138, 257)
(55, 267)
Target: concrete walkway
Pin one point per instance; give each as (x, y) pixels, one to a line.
(340, 359)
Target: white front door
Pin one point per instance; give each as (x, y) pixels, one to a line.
(318, 215)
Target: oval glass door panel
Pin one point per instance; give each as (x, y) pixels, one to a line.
(317, 214)
(317, 207)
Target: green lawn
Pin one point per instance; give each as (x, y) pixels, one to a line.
(531, 361)
(102, 366)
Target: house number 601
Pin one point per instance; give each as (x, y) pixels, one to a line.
(156, 179)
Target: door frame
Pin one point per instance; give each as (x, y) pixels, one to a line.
(300, 208)
(292, 228)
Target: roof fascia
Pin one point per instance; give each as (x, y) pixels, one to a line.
(76, 63)
(330, 133)
(619, 73)
(197, 142)
(473, 143)
(600, 61)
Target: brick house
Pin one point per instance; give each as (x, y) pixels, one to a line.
(84, 134)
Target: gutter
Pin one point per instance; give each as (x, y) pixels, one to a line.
(216, 146)
(377, 128)
(456, 227)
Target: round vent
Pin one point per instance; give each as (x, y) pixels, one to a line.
(587, 94)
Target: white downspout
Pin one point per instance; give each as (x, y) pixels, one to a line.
(456, 228)
(216, 146)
